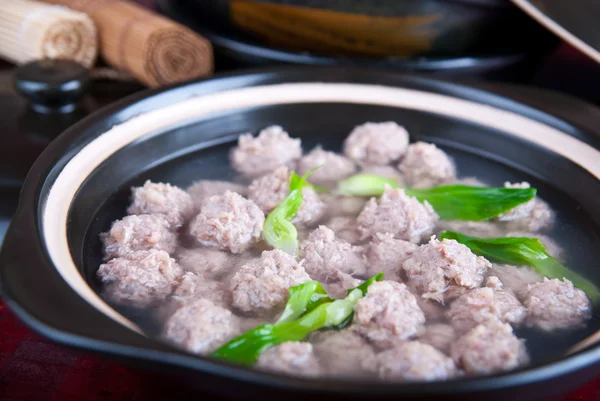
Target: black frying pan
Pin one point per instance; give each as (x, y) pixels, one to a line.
(81, 184)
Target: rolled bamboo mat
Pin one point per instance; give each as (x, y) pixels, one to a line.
(155, 50)
(31, 30)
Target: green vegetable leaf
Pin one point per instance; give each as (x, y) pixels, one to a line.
(278, 230)
(451, 202)
(463, 202)
(365, 185)
(246, 348)
(303, 298)
(524, 251)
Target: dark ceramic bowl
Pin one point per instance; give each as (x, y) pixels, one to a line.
(81, 184)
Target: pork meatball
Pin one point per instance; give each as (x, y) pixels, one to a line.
(346, 206)
(139, 233)
(191, 286)
(554, 304)
(338, 283)
(435, 266)
(324, 256)
(201, 327)
(343, 352)
(540, 219)
(291, 358)
(531, 216)
(139, 279)
(345, 228)
(515, 279)
(482, 304)
(426, 166)
(209, 263)
(376, 143)
(332, 167)
(268, 192)
(273, 147)
(385, 172)
(488, 348)
(414, 361)
(204, 189)
(438, 335)
(263, 285)
(399, 214)
(172, 202)
(519, 212)
(385, 254)
(388, 314)
(229, 222)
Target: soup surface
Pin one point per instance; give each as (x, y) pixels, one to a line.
(195, 267)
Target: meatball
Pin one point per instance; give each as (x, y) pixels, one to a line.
(435, 266)
(488, 348)
(209, 263)
(482, 304)
(204, 189)
(158, 198)
(483, 229)
(272, 148)
(190, 286)
(262, 285)
(554, 304)
(385, 254)
(325, 256)
(531, 216)
(333, 167)
(540, 219)
(414, 361)
(268, 192)
(519, 212)
(229, 222)
(385, 172)
(438, 335)
(426, 166)
(376, 143)
(201, 327)
(338, 283)
(433, 310)
(343, 353)
(516, 279)
(291, 358)
(139, 279)
(345, 228)
(139, 233)
(346, 206)
(388, 314)
(399, 214)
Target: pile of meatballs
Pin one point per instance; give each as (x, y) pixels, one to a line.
(196, 259)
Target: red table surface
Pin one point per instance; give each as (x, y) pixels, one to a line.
(33, 368)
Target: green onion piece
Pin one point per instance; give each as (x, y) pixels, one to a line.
(278, 230)
(246, 348)
(303, 298)
(365, 185)
(524, 251)
(463, 202)
(451, 202)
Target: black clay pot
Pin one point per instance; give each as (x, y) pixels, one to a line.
(81, 184)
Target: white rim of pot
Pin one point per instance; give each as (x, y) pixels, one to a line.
(58, 203)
